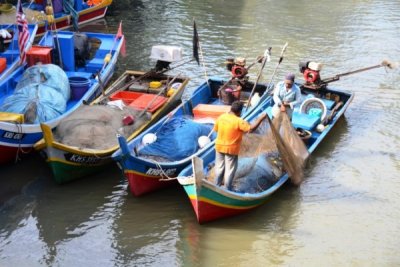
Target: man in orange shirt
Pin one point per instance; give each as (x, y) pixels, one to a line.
(230, 128)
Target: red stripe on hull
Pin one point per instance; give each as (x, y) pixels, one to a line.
(9, 154)
(140, 185)
(82, 19)
(207, 212)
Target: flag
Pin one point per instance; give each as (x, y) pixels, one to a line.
(195, 43)
(119, 36)
(23, 32)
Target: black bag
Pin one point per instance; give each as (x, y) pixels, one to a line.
(82, 49)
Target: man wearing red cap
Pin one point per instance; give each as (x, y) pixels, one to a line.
(286, 96)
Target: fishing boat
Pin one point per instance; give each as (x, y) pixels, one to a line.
(264, 170)
(9, 48)
(84, 61)
(211, 202)
(61, 14)
(146, 97)
(155, 157)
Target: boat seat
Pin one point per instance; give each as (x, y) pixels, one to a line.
(328, 103)
(305, 121)
(94, 64)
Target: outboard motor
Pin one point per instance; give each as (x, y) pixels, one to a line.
(310, 72)
(165, 55)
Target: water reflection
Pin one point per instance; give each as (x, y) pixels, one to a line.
(54, 217)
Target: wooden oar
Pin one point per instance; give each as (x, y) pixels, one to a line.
(267, 57)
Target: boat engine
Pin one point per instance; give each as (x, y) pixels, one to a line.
(310, 72)
(165, 55)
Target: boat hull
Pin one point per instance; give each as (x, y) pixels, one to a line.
(140, 184)
(85, 16)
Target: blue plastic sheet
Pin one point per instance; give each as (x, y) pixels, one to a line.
(177, 139)
(46, 86)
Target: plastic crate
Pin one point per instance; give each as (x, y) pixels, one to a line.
(143, 101)
(38, 54)
(210, 111)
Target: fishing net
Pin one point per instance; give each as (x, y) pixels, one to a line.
(176, 140)
(95, 127)
(266, 154)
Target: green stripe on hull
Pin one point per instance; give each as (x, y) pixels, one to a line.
(63, 173)
(218, 199)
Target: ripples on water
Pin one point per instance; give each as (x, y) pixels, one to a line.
(346, 211)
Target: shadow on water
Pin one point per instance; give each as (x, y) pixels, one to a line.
(161, 228)
(15, 176)
(58, 212)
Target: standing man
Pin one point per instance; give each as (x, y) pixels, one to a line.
(230, 128)
(286, 95)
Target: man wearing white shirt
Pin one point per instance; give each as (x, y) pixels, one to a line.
(286, 95)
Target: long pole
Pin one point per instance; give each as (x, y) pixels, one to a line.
(276, 68)
(267, 57)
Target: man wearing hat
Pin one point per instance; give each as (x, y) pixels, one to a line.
(286, 96)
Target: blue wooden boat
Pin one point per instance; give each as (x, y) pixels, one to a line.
(65, 13)
(147, 174)
(9, 53)
(211, 202)
(89, 75)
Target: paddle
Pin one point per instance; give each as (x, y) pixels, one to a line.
(267, 57)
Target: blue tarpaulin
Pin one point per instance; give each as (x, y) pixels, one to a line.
(177, 139)
(46, 86)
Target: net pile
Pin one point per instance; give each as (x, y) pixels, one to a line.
(266, 155)
(95, 127)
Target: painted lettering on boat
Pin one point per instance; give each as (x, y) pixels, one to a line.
(12, 135)
(82, 159)
(159, 172)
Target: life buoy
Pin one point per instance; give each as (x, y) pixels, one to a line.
(239, 71)
(311, 76)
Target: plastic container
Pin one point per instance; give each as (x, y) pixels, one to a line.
(202, 111)
(126, 96)
(3, 64)
(317, 112)
(38, 54)
(144, 100)
(79, 86)
(155, 84)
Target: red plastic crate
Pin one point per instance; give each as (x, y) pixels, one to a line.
(126, 96)
(144, 100)
(38, 54)
(3, 64)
